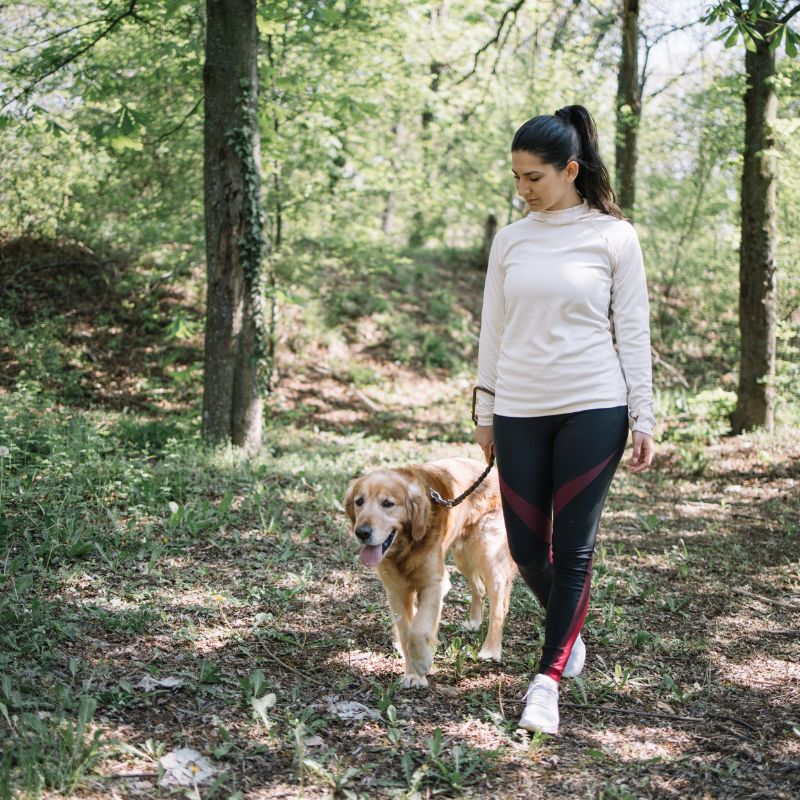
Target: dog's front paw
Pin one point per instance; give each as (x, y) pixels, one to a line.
(487, 654)
(471, 624)
(412, 681)
(420, 654)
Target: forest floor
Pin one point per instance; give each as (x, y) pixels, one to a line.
(159, 596)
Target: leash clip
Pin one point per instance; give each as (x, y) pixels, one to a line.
(439, 500)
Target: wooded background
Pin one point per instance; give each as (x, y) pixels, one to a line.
(266, 225)
(385, 127)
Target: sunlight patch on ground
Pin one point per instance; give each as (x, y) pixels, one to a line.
(763, 671)
(368, 662)
(629, 743)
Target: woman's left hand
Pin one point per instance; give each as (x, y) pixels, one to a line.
(642, 455)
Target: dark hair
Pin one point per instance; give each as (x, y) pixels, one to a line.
(570, 135)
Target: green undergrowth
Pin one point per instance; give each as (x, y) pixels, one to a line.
(95, 509)
(415, 308)
(107, 517)
(129, 550)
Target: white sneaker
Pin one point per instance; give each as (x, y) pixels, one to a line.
(541, 707)
(575, 660)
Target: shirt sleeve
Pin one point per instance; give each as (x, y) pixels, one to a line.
(630, 307)
(492, 322)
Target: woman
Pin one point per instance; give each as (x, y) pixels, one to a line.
(558, 396)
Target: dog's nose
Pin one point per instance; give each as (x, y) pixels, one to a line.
(364, 532)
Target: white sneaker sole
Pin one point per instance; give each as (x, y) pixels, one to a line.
(534, 727)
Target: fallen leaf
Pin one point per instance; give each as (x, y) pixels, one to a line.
(149, 684)
(185, 767)
(261, 705)
(350, 710)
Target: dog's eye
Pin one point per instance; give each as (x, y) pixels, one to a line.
(388, 503)
(360, 501)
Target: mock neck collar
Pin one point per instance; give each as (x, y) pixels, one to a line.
(563, 215)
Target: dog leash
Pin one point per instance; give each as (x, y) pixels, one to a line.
(440, 501)
(434, 495)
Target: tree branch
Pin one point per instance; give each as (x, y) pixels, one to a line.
(786, 17)
(561, 27)
(648, 46)
(169, 133)
(56, 35)
(496, 38)
(131, 12)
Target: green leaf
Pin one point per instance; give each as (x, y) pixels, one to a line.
(732, 36)
(119, 143)
(53, 127)
(776, 36)
(225, 505)
(126, 121)
(749, 42)
(22, 584)
(791, 43)
(269, 27)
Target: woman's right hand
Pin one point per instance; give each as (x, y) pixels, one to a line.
(484, 436)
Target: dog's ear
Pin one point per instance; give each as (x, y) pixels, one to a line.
(348, 501)
(419, 507)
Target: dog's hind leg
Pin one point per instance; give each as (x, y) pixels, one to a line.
(477, 593)
(476, 589)
(499, 590)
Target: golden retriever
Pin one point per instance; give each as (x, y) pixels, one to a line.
(406, 537)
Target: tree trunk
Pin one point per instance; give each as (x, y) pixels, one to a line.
(232, 404)
(757, 254)
(629, 108)
(489, 231)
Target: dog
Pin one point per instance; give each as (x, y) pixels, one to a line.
(405, 537)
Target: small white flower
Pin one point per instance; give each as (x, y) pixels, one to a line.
(4, 452)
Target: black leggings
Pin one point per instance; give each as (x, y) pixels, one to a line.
(554, 476)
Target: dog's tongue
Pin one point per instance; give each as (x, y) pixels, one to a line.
(371, 555)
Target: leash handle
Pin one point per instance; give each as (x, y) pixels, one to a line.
(475, 390)
(440, 501)
(434, 495)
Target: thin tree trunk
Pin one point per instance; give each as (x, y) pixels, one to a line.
(757, 255)
(629, 108)
(232, 405)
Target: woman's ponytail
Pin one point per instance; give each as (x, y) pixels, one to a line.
(593, 181)
(570, 135)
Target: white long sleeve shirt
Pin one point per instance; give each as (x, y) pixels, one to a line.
(546, 344)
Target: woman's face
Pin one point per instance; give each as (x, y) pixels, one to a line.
(542, 186)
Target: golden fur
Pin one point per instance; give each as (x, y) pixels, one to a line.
(412, 569)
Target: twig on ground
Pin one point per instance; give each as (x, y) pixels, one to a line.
(500, 695)
(124, 776)
(733, 733)
(329, 373)
(774, 601)
(272, 657)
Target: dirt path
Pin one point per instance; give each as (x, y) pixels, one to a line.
(692, 684)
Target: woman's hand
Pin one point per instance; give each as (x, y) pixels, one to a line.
(642, 455)
(484, 436)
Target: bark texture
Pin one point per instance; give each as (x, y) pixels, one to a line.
(232, 405)
(757, 255)
(629, 108)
